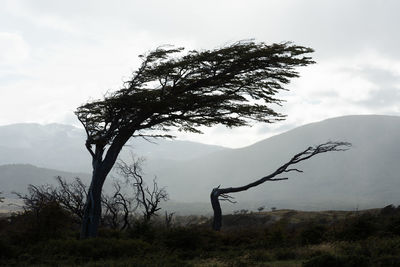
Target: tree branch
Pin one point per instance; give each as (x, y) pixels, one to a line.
(222, 193)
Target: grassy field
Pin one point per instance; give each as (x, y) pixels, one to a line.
(278, 238)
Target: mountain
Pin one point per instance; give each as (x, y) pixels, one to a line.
(61, 147)
(16, 177)
(365, 176)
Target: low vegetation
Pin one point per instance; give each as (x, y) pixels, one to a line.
(50, 237)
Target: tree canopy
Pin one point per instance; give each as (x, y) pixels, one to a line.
(231, 86)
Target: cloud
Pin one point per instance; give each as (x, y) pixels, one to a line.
(55, 55)
(14, 49)
(386, 94)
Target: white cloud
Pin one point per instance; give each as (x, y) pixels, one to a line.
(14, 50)
(55, 55)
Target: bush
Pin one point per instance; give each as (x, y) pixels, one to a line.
(142, 230)
(93, 249)
(312, 235)
(29, 227)
(389, 210)
(285, 254)
(359, 228)
(6, 250)
(182, 238)
(387, 261)
(324, 260)
(240, 237)
(261, 256)
(393, 226)
(276, 236)
(357, 261)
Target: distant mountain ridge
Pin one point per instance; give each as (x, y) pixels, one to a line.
(16, 177)
(365, 176)
(59, 146)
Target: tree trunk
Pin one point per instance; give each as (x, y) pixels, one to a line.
(217, 220)
(101, 168)
(92, 213)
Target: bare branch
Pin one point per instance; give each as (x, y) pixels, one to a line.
(218, 193)
(147, 198)
(226, 197)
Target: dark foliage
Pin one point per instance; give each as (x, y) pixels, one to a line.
(31, 226)
(359, 228)
(64, 203)
(313, 234)
(24, 243)
(325, 260)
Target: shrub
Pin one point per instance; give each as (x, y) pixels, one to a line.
(93, 249)
(359, 228)
(29, 227)
(276, 236)
(142, 230)
(261, 256)
(387, 261)
(357, 261)
(324, 260)
(182, 238)
(6, 250)
(285, 254)
(313, 235)
(389, 210)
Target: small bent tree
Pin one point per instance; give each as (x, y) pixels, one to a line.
(118, 207)
(71, 196)
(218, 193)
(231, 86)
(148, 198)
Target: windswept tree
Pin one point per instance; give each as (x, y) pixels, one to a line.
(232, 86)
(223, 194)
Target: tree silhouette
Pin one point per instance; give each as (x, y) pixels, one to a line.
(119, 207)
(232, 86)
(218, 193)
(148, 198)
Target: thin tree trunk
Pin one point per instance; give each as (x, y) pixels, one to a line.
(92, 213)
(217, 220)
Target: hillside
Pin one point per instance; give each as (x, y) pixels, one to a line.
(16, 177)
(366, 176)
(61, 147)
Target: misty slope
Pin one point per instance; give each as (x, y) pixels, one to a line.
(16, 177)
(61, 147)
(367, 175)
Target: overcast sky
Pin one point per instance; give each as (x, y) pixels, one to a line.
(56, 55)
